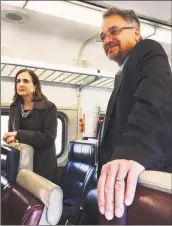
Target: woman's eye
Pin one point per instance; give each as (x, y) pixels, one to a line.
(18, 81)
(25, 81)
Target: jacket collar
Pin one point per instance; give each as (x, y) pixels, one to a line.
(39, 104)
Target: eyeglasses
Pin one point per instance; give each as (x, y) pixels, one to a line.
(113, 31)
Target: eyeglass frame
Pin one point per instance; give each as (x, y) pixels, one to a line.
(118, 30)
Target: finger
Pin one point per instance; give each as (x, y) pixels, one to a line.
(120, 190)
(7, 140)
(6, 136)
(130, 187)
(80, 119)
(81, 124)
(10, 139)
(81, 127)
(109, 190)
(100, 189)
(100, 122)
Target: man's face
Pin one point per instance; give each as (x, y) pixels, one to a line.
(117, 45)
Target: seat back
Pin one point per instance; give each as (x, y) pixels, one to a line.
(14, 156)
(79, 170)
(19, 207)
(32, 200)
(26, 155)
(152, 204)
(9, 163)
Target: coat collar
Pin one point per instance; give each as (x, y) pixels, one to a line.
(112, 100)
(39, 104)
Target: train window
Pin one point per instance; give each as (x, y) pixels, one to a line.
(59, 137)
(4, 126)
(60, 140)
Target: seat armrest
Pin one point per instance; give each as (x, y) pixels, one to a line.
(160, 181)
(26, 155)
(47, 192)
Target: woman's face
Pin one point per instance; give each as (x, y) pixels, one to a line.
(24, 84)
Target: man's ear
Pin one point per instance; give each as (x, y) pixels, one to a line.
(137, 34)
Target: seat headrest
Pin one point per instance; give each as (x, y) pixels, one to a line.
(47, 192)
(160, 181)
(26, 155)
(10, 162)
(82, 152)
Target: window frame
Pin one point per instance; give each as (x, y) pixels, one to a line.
(62, 117)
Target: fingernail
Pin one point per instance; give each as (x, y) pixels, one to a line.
(118, 213)
(101, 209)
(109, 215)
(127, 202)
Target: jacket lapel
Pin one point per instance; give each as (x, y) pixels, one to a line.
(112, 101)
(16, 115)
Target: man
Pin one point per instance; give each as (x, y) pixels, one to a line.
(137, 131)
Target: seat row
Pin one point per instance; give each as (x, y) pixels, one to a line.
(27, 198)
(78, 187)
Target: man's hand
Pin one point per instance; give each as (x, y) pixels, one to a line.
(117, 186)
(10, 137)
(82, 124)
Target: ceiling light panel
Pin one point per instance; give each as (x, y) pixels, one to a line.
(67, 10)
(14, 3)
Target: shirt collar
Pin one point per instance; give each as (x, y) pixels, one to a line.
(123, 64)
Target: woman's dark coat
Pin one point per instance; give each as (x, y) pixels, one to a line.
(40, 134)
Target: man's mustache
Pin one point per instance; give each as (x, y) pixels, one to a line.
(110, 45)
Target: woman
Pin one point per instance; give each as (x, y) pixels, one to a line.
(33, 121)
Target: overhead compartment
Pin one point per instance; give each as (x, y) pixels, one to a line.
(62, 74)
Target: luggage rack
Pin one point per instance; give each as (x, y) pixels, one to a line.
(62, 74)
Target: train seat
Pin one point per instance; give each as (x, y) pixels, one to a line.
(77, 178)
(14, 156)
(152, 204)
(9, 166)
(33, 200)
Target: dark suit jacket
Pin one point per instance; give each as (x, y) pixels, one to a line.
(138, 123)
(40, 134)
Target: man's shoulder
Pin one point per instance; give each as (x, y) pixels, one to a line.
(144, 49)
(147, 45)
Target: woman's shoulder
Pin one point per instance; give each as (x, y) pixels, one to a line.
(15, 103)
(44, 104)
(49, 104)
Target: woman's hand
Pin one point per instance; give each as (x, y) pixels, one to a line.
(10, 137)
(10, 140)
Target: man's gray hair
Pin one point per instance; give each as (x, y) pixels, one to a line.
(129, 15)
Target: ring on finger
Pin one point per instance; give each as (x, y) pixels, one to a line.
(118, 178)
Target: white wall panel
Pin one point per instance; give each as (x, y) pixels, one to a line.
(91, 96)
(63, 96)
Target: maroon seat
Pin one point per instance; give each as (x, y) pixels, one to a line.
(150, 207)
(19, 207)
(152, 204)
